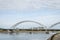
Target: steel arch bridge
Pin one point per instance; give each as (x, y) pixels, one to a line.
(54, 24)
(27, 21)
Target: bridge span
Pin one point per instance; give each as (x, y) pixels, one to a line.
(41, 28)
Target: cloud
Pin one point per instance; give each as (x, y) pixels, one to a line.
(29, 4)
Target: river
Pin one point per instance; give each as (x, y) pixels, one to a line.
(24, 36)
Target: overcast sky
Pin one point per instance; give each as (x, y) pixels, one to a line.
(46, 12)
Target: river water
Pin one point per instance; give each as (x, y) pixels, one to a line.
(24, 36)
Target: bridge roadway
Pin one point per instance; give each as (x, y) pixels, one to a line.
(29, 30)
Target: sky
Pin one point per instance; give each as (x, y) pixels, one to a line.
(46, 12)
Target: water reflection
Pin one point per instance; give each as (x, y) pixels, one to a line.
(24, 36)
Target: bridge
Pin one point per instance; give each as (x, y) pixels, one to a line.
(39, 28)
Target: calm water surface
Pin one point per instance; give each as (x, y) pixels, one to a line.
(24, 36)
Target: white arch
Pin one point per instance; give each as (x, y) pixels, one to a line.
(27, 21)
(54, 24)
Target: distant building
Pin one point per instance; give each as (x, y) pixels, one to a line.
(38, 28)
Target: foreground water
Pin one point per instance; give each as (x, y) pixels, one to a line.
(24, 36)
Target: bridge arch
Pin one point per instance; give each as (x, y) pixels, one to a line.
(27, 21)
(54, 24)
